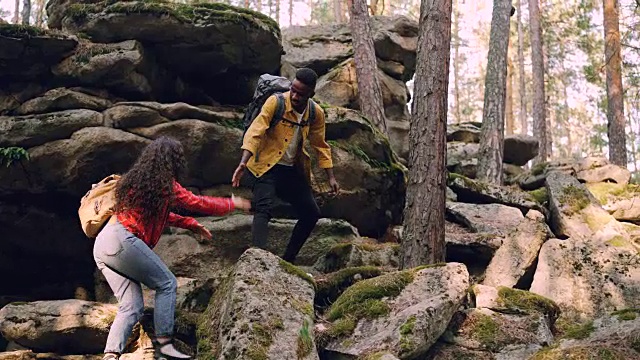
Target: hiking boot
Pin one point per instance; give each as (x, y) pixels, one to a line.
(166, 351)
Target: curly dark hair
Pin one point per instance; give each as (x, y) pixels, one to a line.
(148, 185)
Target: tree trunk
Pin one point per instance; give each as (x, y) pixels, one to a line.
(259, 5)
(26, 12)
(615, 102)
(423, 238)
(492, 134)
(369, 91)
(537, 60)
(374, 7)
(456, 62)
(337, 11)
(524, 128)
(41, 12)
(509, 123)
(16, 12)
(278, 11)
(290, 12)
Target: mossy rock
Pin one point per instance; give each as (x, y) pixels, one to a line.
(330, 288)
(602, 352)
(527, 302)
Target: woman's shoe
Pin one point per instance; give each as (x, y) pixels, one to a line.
(166, 351)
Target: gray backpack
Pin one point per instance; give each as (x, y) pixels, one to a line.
(267, 86)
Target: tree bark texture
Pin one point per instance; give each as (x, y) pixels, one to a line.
(537, 60)
(423, 238)
(493, 114)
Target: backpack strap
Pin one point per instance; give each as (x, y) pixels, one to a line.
(279, 113)
(312, 111)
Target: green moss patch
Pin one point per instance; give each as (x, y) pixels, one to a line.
(363, 298)
(626, 314)
(603, 191)
(406, 345)
(541, 196)
(474, 185)
(576, 331)
(574, 199)
(21, 31)
(528, 302)
(539, 168)
(294, 270)
(305, 343)
(580, 353)
(486, 331)
(334, 284)
(262, 338)
(618, 241)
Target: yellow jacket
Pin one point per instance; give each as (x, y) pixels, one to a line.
(268, 145)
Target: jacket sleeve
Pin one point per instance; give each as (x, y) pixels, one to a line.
(259, 126)
(207, 205)
(317, 141)
(184, 222)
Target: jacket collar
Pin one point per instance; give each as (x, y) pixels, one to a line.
(289, 108)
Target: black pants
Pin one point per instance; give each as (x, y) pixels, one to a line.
(288, 184)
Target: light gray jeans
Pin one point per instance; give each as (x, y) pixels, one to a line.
(126, 261)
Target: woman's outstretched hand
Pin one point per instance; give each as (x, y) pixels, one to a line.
(203, 233)
(241, 203)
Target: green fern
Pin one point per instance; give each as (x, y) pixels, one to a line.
(12, 154)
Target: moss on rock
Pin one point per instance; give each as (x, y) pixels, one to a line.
(574, 199)
(294, 270)
(334, 284)
(528, 302)
(626, 314)
(540, 195)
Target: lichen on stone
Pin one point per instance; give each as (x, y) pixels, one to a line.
(574, 199)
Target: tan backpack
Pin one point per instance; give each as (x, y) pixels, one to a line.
(97, 205)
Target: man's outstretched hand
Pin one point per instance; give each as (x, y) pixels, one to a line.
(237, 175)
(335, 187)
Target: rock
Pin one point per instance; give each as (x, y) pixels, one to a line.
(372, 192)
(488, 218)
(475, 250)
(329, 287)
(217, 47)
(613, 173)
(613, 336)
(474, 191)
(60, 99)
(43, 231)
(486, 330)
(513, 301)
(71, 165)
(263, 310)
(535, 178)
(458, 152)
(359, 253)
(444, 351)
(125, 68)
(402, 313)
(14, 94)
(516, 259)
(34, 130)
(466, 132)
(232, 236)
(27, 52)
(322, 47)
(61, 326)
(192, 295)
(588, 277)
(621, 201)
(519, 149)
(200, 140)
(123, 116)
(575, 212)
(180, 111)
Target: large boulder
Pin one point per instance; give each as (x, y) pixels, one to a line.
(125, 68)
(34, 130)
(340, 88)
(402, 313)
(321, 47)
(263, 310)
(621, 201)
(593, 271)
(60, 99)
(519, 149)
(64, 326)
(218, 47)
(186, 257)
(485, 218)
(27, 52)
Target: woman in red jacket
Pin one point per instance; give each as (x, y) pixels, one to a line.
(123, 252)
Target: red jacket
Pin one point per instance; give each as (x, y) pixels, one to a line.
(184, 199)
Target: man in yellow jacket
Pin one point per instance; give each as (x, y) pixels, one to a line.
(280, 166)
